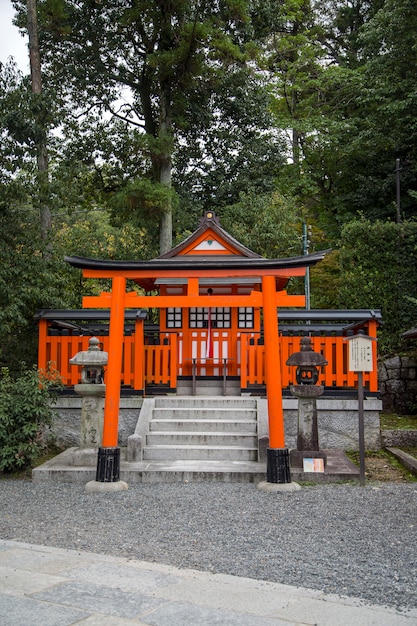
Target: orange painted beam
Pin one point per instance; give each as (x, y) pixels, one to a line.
(272, 365)
(114, 367)
(192, 287)
(133, 301)
(283, 299)
(200, 273)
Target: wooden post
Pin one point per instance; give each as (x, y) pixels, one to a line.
(272, 365)
(108, 459)
(139, 357)
(361, 431)
(114, 368)
(278, 464)
(42, 346)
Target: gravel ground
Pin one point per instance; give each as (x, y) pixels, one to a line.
(341, 539)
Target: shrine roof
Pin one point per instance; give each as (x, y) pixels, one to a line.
(194, 262)
(210, 238)
(209, 252)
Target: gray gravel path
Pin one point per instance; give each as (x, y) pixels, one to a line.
(341, 539)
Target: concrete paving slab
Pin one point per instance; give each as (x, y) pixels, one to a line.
(337, 612)
(34, 560)
(111, 620)
(186, 614)
(228, 595)
(16, 581)
(16, 611)
(409, 461)
(99, 590)
(100, 599)
(124, 577)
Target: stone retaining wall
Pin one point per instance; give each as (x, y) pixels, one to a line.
(337, 421)
(399, 438)
(397, 378)
(67, 424)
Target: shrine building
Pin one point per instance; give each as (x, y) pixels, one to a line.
(219, 305)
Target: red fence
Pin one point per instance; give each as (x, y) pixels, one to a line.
(334, 350)
(159, 364)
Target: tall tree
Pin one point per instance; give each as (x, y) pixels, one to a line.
(340, 23)
(41, 140)
(355, 107)
(166, 58)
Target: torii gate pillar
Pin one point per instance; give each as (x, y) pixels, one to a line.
(278, 461)
(108, 460)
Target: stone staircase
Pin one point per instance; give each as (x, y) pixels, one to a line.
(204, 386)
(200, 428)
(212, 438)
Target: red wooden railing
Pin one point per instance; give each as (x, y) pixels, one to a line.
(334, 350)
(159, 364)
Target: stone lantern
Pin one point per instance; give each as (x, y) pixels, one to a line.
(306, 390)
(92, 390)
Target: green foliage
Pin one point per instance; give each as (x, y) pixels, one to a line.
(275, 233)
(92, 235)
(142, 202)
(166, 58)
(269, 112)
(378, 269)
(27, 283)
(25, 410)
(326, 280)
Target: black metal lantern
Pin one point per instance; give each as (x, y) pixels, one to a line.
(307, 362)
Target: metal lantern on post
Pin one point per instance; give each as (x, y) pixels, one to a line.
(308, 364)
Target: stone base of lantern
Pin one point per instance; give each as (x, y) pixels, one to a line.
(297, 456)
(92, 412)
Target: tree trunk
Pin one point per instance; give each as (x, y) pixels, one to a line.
(165, 171)
(41, 148)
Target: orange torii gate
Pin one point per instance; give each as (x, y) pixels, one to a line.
(208, 256)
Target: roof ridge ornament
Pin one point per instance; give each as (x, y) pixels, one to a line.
(211, 217)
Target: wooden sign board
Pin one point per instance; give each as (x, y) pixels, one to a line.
(360, 354)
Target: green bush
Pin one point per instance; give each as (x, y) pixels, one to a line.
(378, 269)
(26, 403)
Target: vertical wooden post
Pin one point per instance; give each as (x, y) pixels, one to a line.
(272, 364)
(114, 368)
(278, 464)
(138, 357)
(361, 431)
(42, 345)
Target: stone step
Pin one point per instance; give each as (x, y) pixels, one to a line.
(179, 453)
(240, 440)
(209, 391)
(194, 413)
(208, 425)
(204, 402)
(209, 387)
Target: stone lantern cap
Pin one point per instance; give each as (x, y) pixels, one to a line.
(93, 357)
(306, 357)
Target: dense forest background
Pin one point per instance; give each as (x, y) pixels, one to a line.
(139, 115)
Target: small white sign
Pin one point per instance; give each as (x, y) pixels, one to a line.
(313, 465)
(360, 354)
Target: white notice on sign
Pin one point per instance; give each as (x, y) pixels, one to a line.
(360, 354)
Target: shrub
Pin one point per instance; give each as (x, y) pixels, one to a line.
(26, 408)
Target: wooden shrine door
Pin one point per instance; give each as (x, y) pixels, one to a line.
(209, 338)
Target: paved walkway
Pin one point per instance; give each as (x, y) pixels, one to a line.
(42, 586)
